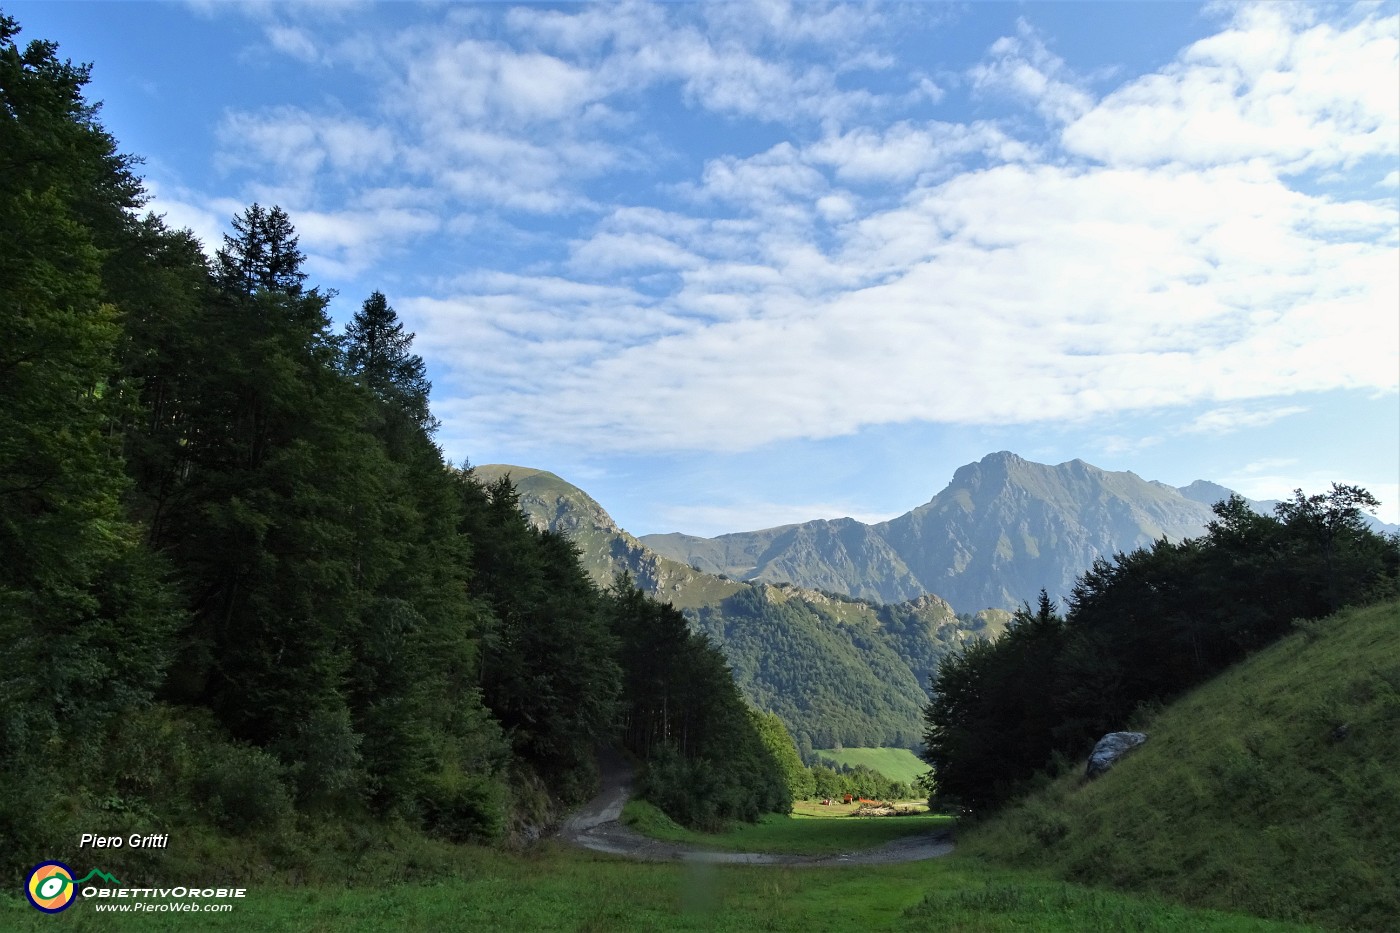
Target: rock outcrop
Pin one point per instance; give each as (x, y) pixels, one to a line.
(1110, 748)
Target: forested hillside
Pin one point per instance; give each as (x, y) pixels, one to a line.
(837, 670)
(1273, 788)
(834, 668)
(241, 593)
(1140, 630)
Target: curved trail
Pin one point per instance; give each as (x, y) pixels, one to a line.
(596, 826)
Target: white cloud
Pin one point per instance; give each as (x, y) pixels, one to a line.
(777, 175)
(1117, 444)
(903, 151)
(607, 253)
(1021, 66)
(294, 41)
(1318, 96)
(346, 242)
(1011, 295)
(1234, 418)
(721, 61)
(300, 145)
(831, 261)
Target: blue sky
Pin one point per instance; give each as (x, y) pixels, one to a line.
(733, 265)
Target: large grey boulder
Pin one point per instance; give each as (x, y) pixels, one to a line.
(1110, 748)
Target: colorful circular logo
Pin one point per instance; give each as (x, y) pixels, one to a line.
(50, 887)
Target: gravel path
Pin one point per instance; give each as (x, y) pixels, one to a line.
(596, 826)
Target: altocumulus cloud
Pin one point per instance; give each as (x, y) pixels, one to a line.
(750, 223)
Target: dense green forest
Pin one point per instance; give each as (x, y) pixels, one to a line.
(240, 589)
(836, 669)
(1140, 630)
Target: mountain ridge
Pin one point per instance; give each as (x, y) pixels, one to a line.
(1001, 530)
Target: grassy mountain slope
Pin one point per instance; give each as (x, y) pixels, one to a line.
(1002, 529)
(1274, 789)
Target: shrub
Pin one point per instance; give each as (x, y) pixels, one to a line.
(244, 789)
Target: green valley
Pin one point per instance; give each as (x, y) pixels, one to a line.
(263, 621)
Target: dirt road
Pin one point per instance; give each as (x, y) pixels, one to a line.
(596, 826)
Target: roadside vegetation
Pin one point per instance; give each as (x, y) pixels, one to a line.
(243, 598)
(244, 602)
(1141, 629)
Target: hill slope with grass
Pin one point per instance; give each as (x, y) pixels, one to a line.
(1274, 789)
(897, 764)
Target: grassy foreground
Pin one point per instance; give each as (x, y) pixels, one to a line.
(1274, 788)
(424, 884)
(555, 888)
(897, 764)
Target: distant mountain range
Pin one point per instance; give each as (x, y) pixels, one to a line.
(838, 625)
(1000, 531)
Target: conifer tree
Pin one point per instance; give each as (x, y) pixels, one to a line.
(83, 613)
(378, 354)
(261, 253)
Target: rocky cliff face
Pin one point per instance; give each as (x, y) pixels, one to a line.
(1006, 527)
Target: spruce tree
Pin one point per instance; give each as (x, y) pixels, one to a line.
(378, 354)
(262, 253)
(84, 615)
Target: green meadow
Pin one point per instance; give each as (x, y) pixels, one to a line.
(897, 764)
(557, 888)
(1271, 791)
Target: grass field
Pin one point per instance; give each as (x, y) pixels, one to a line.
(812, 830)
(897, 764)
(426, 884)
(555, 888)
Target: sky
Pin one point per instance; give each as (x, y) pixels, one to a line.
(731, 265)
